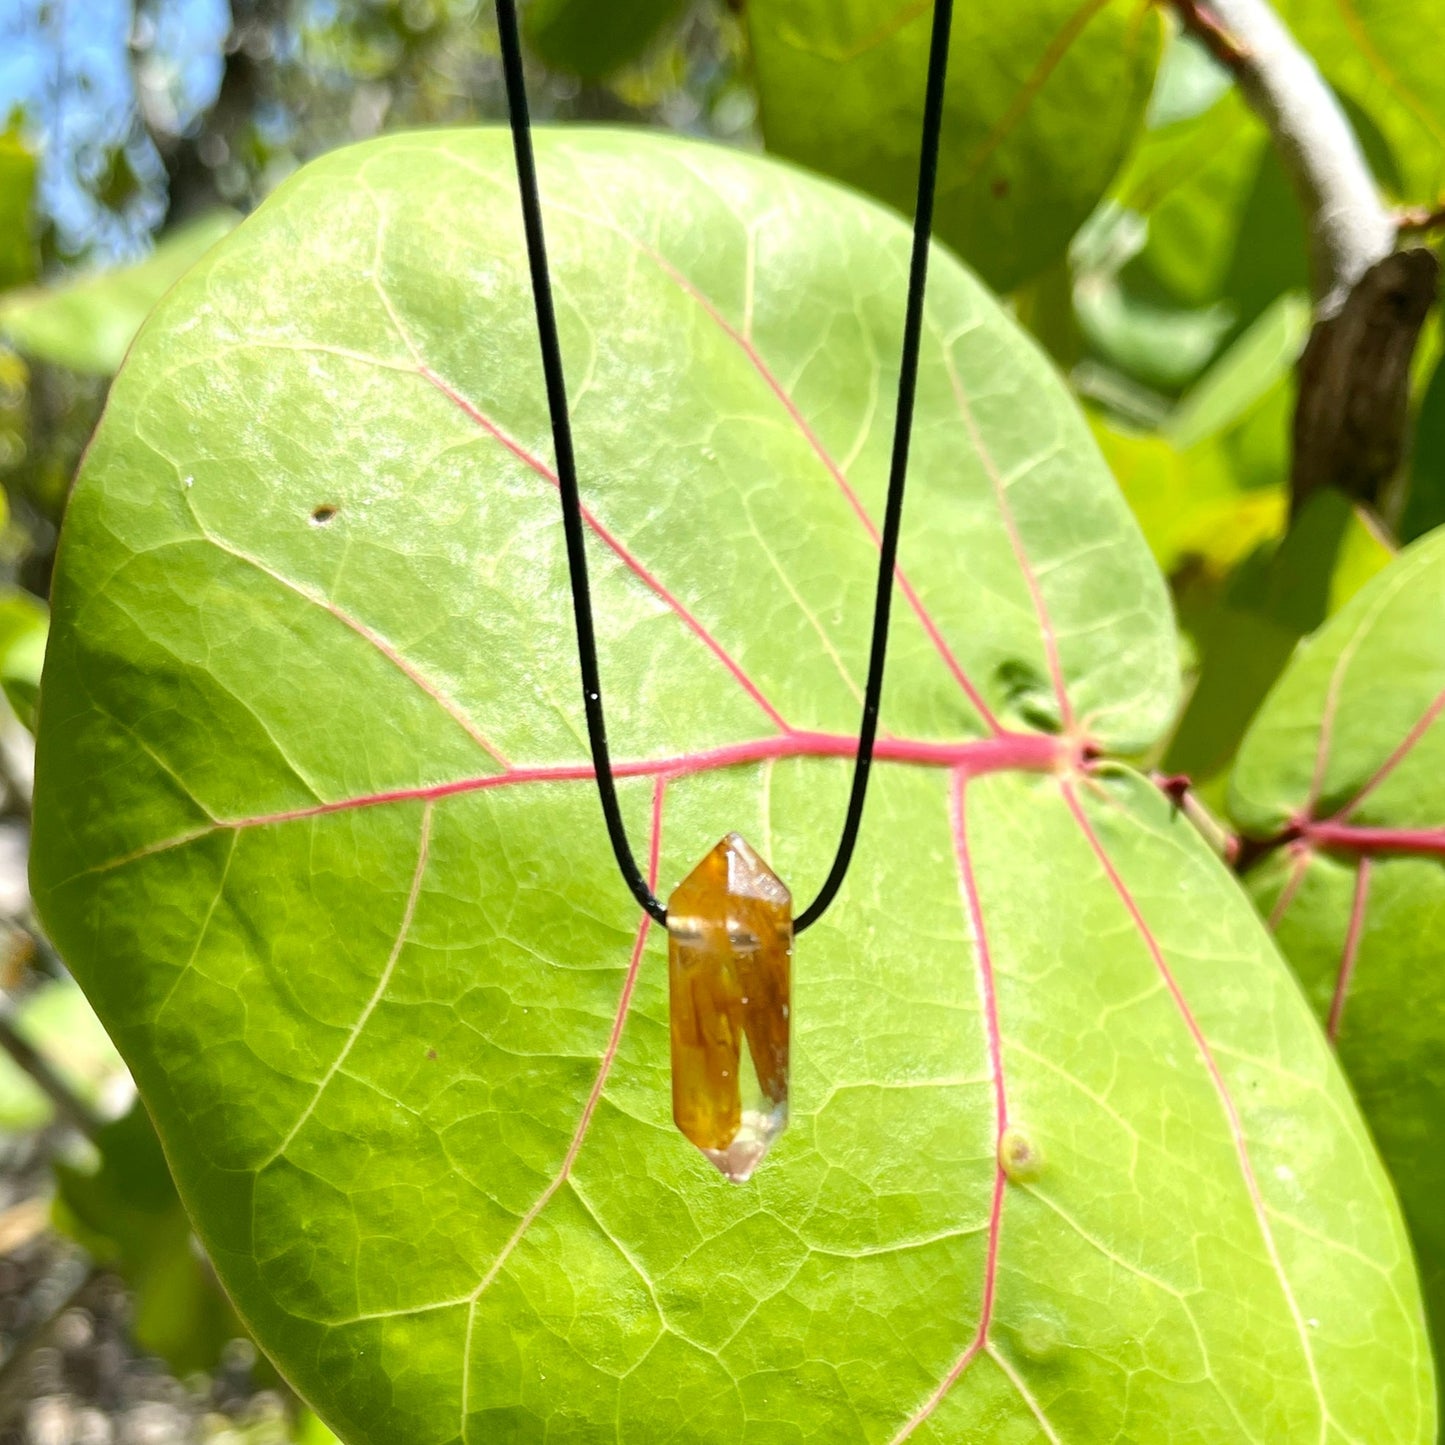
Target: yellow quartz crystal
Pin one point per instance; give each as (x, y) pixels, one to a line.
(730, 965)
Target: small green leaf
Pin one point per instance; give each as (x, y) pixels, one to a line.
(1044, 99)
(313, 825)
(24, 625)
(126, 1213)
(17, 190)
(1164, 346)
(1255, 365)
(586, 39)
(1349, 750)
(88, 323)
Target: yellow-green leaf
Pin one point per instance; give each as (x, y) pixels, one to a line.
(315, 827)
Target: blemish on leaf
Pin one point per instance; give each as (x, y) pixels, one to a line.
(322, 514)
(1019, 1156)
(431, 1053)
(999, 188)
(1039, 1338)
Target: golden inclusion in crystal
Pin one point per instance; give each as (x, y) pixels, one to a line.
(730, 969)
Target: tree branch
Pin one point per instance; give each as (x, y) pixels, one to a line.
(1349, 227)
(70, 1108)
(1352, 415)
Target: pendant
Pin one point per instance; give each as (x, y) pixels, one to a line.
(729, 970)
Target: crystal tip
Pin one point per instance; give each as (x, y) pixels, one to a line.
(750, 1144)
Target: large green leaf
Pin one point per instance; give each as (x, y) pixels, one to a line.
(1348, 753)
(1044, 99)
(313, 827)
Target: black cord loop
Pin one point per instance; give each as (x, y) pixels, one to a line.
(572, 523)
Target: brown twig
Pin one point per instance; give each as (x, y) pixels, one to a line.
(29, 1058)
(1351, 422)
(1180, 791)
(1207, 28)
(1415, 220)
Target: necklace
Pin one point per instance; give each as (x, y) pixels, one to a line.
(729, 923)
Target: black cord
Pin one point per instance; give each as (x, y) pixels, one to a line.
(898, 469)
(566, 461)
(572, 524)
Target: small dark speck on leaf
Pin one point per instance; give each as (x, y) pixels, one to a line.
(321, 515)
(431, 1053)
(999, 187)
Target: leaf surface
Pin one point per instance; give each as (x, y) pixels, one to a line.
(315, 830)
(1044, 98)
(1350, 750)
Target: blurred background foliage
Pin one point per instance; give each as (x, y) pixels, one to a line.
(1130, 208)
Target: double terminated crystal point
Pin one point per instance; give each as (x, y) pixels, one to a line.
(730, 964)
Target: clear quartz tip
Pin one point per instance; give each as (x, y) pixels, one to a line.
(750, 1145)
